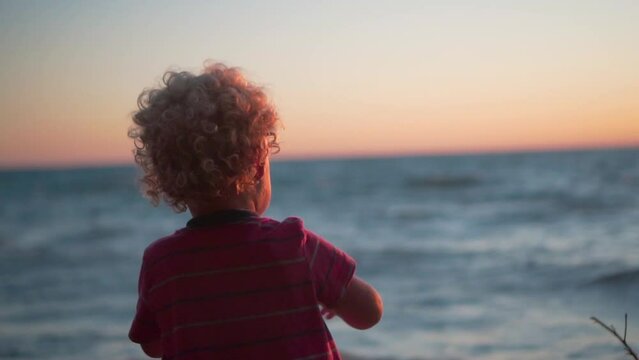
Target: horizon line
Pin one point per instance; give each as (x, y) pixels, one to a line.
(350, 156)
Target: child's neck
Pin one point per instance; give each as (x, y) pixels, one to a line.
(238, 202)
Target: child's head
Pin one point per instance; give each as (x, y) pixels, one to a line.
(203, 138)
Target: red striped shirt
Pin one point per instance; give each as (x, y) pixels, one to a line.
(233, 285)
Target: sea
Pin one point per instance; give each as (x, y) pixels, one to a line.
(494, 256)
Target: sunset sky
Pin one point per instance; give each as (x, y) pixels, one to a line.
(350, 78)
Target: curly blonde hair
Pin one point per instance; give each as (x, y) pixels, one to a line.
(202, 137)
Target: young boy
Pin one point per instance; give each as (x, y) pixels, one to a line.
(231, 284)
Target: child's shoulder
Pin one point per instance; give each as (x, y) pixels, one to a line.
(158, 246)
(292, 222)
(266, 227)
(291, 226)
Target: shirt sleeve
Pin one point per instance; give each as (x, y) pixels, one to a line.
(331, 268)
(144, 328)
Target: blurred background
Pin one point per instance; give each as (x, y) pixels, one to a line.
(479, 160)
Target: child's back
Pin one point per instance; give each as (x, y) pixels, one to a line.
(232, 284)
(235, 285)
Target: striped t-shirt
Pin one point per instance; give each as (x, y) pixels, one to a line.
(233, 285)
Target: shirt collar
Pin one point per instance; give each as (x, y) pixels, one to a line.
(220, 217)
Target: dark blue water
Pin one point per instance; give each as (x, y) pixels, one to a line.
(477, 257)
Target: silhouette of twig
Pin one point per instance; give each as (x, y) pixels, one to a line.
(611, 329)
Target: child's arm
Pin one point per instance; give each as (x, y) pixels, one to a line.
(361, 305)
(144, 329)
(153, 349)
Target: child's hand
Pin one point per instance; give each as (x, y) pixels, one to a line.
(327, 313)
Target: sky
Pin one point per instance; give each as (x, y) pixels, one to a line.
(349, 78)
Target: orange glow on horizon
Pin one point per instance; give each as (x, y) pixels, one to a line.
(421, 78)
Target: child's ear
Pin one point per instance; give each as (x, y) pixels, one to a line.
(259, 172)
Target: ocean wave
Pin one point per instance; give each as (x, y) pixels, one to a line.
(442, 182)
(620, 278)
(351, 356)
(591, 203)
(632, 180)
(566, 202)
(411, 212)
